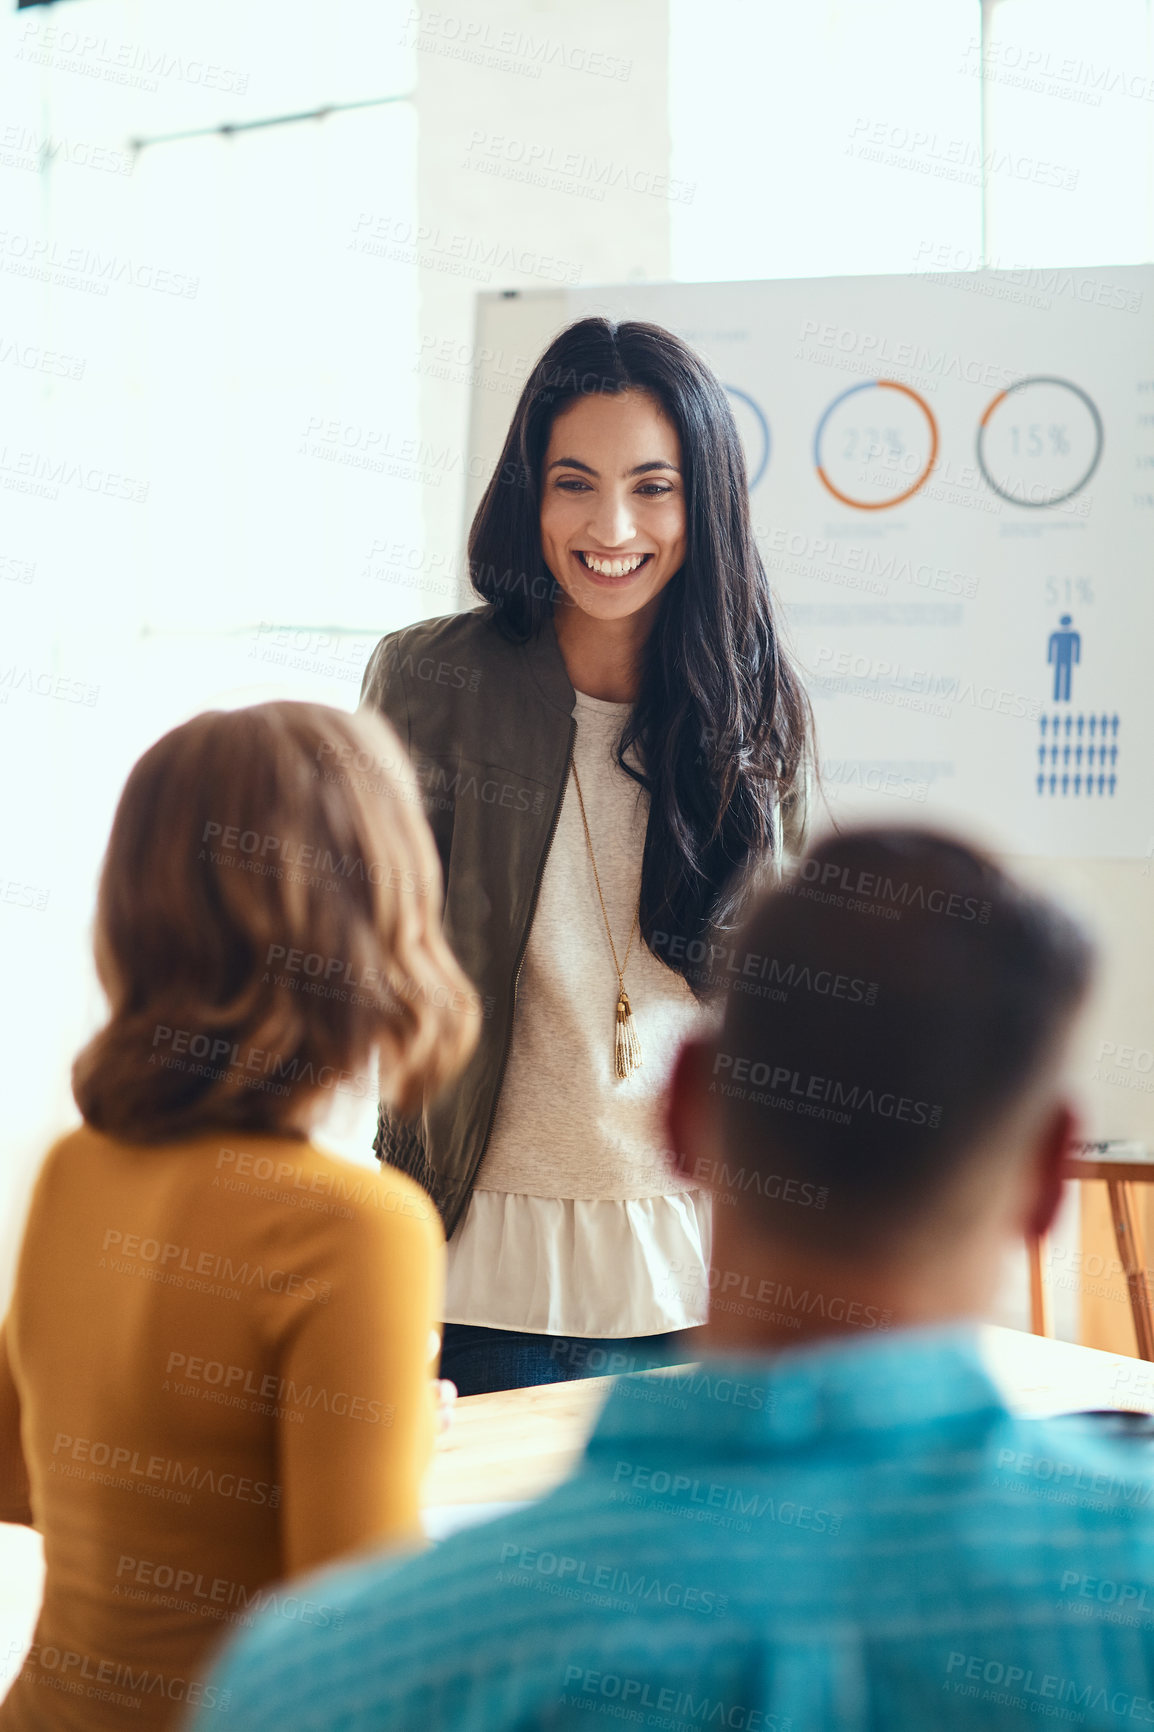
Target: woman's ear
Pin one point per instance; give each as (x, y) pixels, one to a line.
(689, 1109)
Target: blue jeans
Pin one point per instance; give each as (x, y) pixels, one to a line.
(480, 1360)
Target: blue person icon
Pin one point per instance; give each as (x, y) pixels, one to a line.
(1065, 649)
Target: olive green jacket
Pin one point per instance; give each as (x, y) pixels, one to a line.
(489, 726)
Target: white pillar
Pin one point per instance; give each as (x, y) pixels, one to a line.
(543, 158)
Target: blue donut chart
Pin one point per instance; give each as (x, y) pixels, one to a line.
(756, 470)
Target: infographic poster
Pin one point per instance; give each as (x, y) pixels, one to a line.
(952, 482)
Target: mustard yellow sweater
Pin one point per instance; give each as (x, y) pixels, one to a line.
(214, 1375)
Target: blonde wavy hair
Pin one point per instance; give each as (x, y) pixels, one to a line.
(268, 920)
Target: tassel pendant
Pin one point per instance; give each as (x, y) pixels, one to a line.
(626, 1047)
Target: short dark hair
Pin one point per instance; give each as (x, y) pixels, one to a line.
(889, 1003)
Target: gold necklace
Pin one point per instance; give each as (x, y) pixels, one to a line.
(626, 1046)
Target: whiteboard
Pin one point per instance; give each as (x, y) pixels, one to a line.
(952, 486)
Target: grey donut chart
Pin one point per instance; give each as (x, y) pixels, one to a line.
(1022, 385)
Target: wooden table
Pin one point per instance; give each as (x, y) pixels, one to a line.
(511, 1447)
(1119, 1177)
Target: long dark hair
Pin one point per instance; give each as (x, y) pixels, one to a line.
(722, 725)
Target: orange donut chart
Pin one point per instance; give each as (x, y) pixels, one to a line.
(877, 504)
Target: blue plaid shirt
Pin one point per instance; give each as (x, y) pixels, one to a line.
(851, 1535)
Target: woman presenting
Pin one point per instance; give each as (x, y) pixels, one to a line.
(610, 748)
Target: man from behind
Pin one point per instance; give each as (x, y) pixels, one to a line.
(833, 1521)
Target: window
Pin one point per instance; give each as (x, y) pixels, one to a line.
(206, 395)
(830, 139)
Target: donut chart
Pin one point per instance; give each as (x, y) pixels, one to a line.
(753, 431)
(874, 452)
(1039, 442)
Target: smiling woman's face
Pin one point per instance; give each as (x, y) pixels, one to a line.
(613, 503)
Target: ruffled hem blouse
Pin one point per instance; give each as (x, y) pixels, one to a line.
(580, 1267)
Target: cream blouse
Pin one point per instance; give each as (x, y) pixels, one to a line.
(578, 1224)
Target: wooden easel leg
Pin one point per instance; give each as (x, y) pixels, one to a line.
(1039, 1297)
(1132, 1255)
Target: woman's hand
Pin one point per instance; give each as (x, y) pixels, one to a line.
(445, 1396)
(444, 1392)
